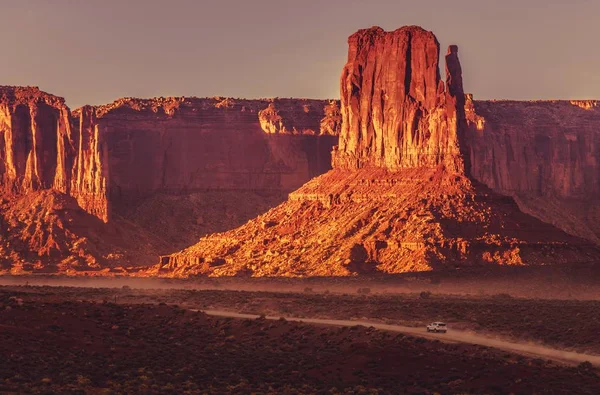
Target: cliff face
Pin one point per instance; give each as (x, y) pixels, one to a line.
(396, 112)
(41, 149)
(144, 160)
(184, 145)
(545, 154)
(134, 148)
(90, 166)
(36, 141)
(541, 147)
(401, 196)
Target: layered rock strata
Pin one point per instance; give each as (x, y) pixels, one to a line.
(135, 147)
(401, 196)
(544, 153)
(182, 145)
(143, 160)
(396, 112)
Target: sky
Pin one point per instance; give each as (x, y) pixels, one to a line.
(95, 51)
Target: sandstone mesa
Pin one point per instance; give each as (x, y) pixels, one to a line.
(164, 171)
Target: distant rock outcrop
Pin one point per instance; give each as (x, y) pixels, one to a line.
(544, 153)
(180, 145)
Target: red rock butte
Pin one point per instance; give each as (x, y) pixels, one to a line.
(396, 111)
(400, 197)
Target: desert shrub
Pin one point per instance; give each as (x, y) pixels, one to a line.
(364, 291)
(308, 290)
(126, 288)
(83, 381)
(587, 365)
(425, 295)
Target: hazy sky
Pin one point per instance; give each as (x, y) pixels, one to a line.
(94, 51)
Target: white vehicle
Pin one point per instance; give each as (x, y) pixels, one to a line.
(437, 327)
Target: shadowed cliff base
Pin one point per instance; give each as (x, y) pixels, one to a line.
(47, 232)
(181, 219)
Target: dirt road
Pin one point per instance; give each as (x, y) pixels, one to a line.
(453, 336)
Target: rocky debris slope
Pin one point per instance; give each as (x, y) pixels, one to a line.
(400, 197)
(47, 231)
(374, 221)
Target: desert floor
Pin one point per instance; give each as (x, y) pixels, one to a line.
(131, 338)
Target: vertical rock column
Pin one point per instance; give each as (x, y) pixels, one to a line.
(90, 173)
(455, 110)
(396, 112)
(36, 149)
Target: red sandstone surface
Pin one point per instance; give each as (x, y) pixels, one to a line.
(400, 197)
(396, 112)
(174, 169)
(157, 174)
(182, 145)
(545, 154)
